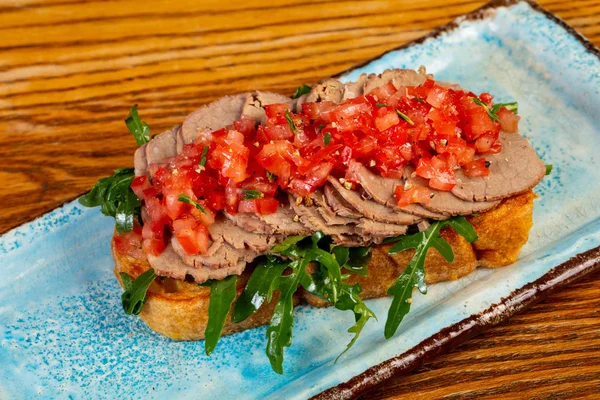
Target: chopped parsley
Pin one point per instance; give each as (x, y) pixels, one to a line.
(203, 156)
(253, 194)
(290, 121)
(404, 117)
(186, 199)
(548, 169)
(327, 138)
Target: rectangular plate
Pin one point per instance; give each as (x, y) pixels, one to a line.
(63, 332)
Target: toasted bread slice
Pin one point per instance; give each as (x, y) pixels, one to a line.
(179, 310)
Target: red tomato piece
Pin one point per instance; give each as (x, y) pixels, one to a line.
(130, 243)
(139, 184)
(386, 117)
(193, 241)
(416, 194)
(509, 121)
(476, 168)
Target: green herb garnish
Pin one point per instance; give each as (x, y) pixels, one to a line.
(420, 100)
(414, 274)
(134, 296)
(253, 194)
(493, 112)
(222, 295)
(327, 138)
(139, 129)
(116, 199)
(321, 126)
(404, 117)
(381, 105)
(548, 169)
(203, 156)
(290, 121)
(301, 90)
(258, 287)
(186, 199)
(514, 107)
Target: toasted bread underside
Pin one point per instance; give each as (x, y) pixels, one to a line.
(179, 310)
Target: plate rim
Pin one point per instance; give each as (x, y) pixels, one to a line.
(519, 300)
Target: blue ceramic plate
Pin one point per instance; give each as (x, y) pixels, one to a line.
(63, 333)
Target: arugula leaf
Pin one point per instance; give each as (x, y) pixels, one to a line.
(253, 194)
(358, 260)
(548, 169)
(414, 273)
(327, 138)
(462, 227)
(334, 274)
(290, 121)
(341, 254)
(349, 300)
(139, 129)
(116, 199)
(186, 199)
(279, 332)
(134, 296)
(126, 279)
(258, 287)
(301, 90)
(203, 156)
(222, 295)
(404, 117)
(286, 244)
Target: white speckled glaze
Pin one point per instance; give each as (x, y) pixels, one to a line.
(63, 333)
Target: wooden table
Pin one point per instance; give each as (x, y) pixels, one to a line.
(69, 71)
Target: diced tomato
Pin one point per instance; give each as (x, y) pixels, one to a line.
(278, 132)
(440, 175)
(245, 125)
(509, 121)
(437, 97)
(318, 110)
(130, 243)
(476, 168)
(267, 205)
(416, 194)
(139, 184)
(386, 117)
(216, 200)
(382, 93)
(484, 143)
(276, 113)
(174, 206)
(193, 241)
(276, 158)
(153, 246)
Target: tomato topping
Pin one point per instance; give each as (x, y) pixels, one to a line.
(476, 168)
(416, 194)
(130, 243)
(244, 168)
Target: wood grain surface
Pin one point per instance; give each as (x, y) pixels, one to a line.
(69, 71)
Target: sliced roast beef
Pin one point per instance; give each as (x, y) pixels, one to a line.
(381, 189)
(216, 115)
(170, 264)
(445, 202)
(399, 77)
(254, 106)
(514, 170)
(355, 88)
(140, 162)
(284, 221)
(379, 230)
(329, 214)
(310, 217)
(328, 90)
(369, 208)
(339, 205)
(220, 255)
(161, 146)
(225, 230)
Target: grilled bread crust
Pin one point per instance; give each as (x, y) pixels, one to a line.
(179, 309)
